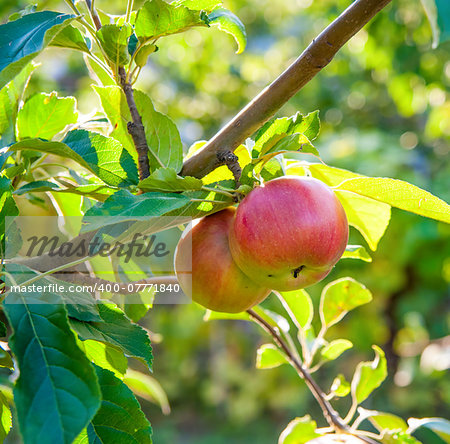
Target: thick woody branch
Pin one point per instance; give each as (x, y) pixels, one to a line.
(315, 57)
(135, 127)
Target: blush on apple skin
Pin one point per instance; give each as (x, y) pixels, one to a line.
(215, 282)
(289, 233)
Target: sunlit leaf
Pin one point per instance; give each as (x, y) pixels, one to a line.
(166, 179)
(45, 115)
(148, 388)
(269, 356)
(356, 252)
(383, 421)
(5, 417)
(368, 376)
(335, 349)
(340, 386)
(299, 431)
(114, 41)
(399, 194)
(299, 304)
(341, 296)
(71, 37)
(226, 21)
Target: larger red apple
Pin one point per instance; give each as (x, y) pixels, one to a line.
(289, 233)
(215, 281)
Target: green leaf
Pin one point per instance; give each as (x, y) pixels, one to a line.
(339, 297)
(226, 21)
(5, 360)
(101, 155)
(399, 194)
(100, 73)
(115, 106)
(269, 356)
(167, 180)
(163, 138)
(340, 386)
(157, 18)
(45, 115)
(23, 39)
(299, 305)
(116, 329)
(120, 418)
(198, 5)
(356, 252)
(3, 329)
(10, 95)
(124, 206)
(105, 356)
(148, 388)
(335, 349)
(368, 216)
(38, 185)
(299, 431)
(5, 417)
(440, 426)
(382, 421)
(438, 13)
(56, 378)
(368, 376)
(114, 41)
(398, 437)
(71, 37)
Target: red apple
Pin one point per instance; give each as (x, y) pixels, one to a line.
(215, 281)
(289, 233)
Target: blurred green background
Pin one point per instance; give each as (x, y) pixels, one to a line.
(385, 111)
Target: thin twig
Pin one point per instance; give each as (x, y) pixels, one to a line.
(315, 57)
(332, 417)
(136, 128)
(330, 414)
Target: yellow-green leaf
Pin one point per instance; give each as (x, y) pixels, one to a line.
(269, 356)
(299, 306)
(335, 349)
(356, 252)
(340, 386)
(299, 431)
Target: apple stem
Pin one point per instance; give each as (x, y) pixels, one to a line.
(332, 417)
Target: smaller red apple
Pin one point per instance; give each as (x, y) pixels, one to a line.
(206, 271)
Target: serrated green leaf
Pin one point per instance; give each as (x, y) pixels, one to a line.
(120, 418)
(116, 329)
(148, 388)
(340, 386)
(399, 194)
(438, 13)
(383, 421)
(24, 38)
(167, 180)
(124, 206)
(45, 115)
(10, 96)
(356, 252)
(157, 18)
(105, 356)
(299, 431)
(71, 37)
(5, 417)
(368, 376)
(55, 376)
(228, 22)
(114, 41)
(101, 155)
(163, 138)
(440, 426)
(335, 349)
(339, 297)
(308, 125)
(269, 356)
(299, 305)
